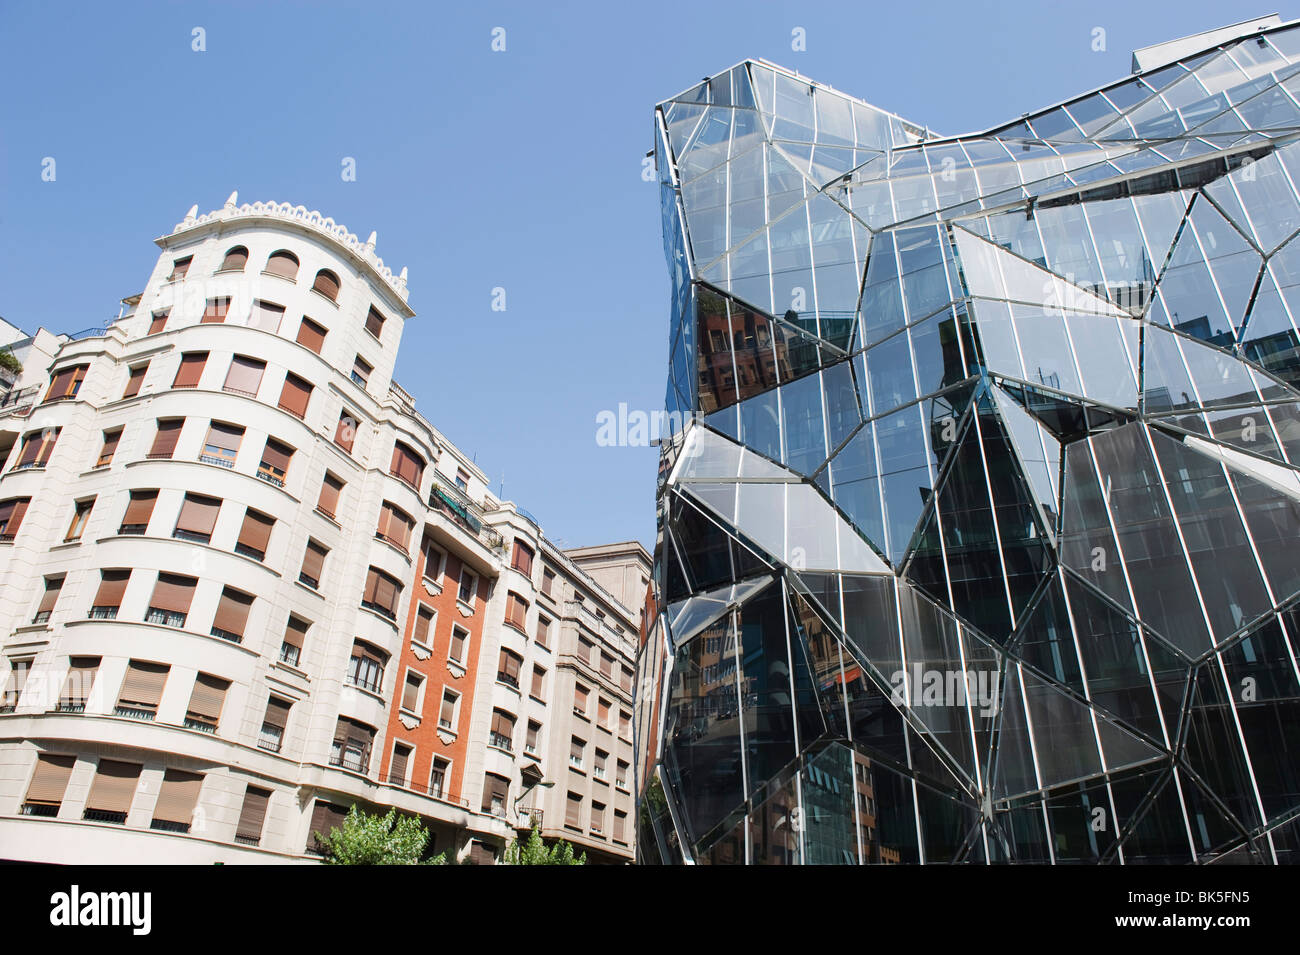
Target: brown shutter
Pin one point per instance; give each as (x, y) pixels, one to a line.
(407, 465)
(232, 611)
(503, 723)
(114, 786)
(11, 514)
(313, 561)
(277, 712)
(580, 694)
(573, 812)
(346, 433)
(295, 632)
(283, 263)
(255, 533)
(509, 665)
(397, 768)
(253, 814)
(311, 335)
(53, 586)
(235, 259)
(198, 514)
(50, 779)
(177, 796)
(140, 507)
(17, 680)
(59, 383)
(602, 712)
(134, 382)
(327, 283)
(112, 586)
(158, 322)
(179, 268)
(208, 696)
(31, 448)
(266, 316)
(294, 395)
(227, 437)
(245, 375)
(79, 681)
(324, 817)
(276, 455)
(111, 439)
(538, 676)
(143, 684)
(329, 494)
(215, 312)
(381, 590)
(374, 322)
(423, 617)
(191, 369)
(173, 593)
(164, 443)
(411, 692)
(448, 710)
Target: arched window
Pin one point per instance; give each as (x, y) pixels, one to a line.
(235, 260)
(327, 283)
(284, 264)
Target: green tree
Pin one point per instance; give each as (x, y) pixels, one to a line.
(536, 852)
(9, 362)
(370, 839)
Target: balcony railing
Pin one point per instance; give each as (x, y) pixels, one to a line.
(133, 529)
(201, 724)
(40, 809)
(102, 613)
(103, 815)
(134, 712)
(215, 459)
(270, 738)
(245, 551)
(192, 536)
(350, 760)
(167, 618)
(500, 742)
(309, 580)
(168, 825)
(450, 500)
(379, 609)
(270, 478)
(529, 817)
(372, 685)
(227, 635)
(289, 654)
(247, 840)
(70, 708)
(507, 679)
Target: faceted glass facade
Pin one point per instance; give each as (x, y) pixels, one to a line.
(979, 518)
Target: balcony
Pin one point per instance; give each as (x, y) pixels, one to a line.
(350, 759)
(103, 815)
(102, 613)
(40, 809)
(166, 618)
(270, 738)
(528, 818)
(192, 536)
(270, 477)
(215, 459)
(451, 501)
(167, 825)
(70, 708)
(202, 724)
(227, 635)
(135, 712)
(500, 742)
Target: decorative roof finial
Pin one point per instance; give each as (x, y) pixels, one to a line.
(401, 279)
(234, 198)
(370, 242)
(192, 214)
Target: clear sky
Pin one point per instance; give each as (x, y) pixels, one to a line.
(518, 169)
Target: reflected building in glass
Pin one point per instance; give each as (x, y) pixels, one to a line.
(978, 542)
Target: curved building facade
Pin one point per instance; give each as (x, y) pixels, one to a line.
(977, 535)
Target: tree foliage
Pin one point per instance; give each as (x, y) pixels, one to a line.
(370, 839)
(536, 852)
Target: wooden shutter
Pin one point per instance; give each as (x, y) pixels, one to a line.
(283, 263)
(235, 259)
(311, 335)
(374, 322)
(580, 698)
(516, 609)
(510, 665)
(232, 611)
(253, 814)
(606, 665)
(215, 312)
(208, 697)
(313, 561)
(407, 465)
(50, 779)
(179, 268)
(277, 712)
(346, 433)
(164, 442)
(245, 375)
(329, 494)
(276, 455)
(226, 437)
(114, 786)
(17, 680)
(53, 586)
(143, 684)
(173, 593)
(411, 692)
(295, 632)
(11, 515)
(522, 559)
(198, 514)
(158, 322)
(538, 676)
(191, 369)
(112, 586)
(140, 507)
(503, 723)
(386, 591)
(573, 812)
(135, 380)
(423, 619)
(324, 817)
(397, 768)
(111, 439)
(448, 710)
(178, 796)
(394, 525)
(79, 681)
(327, 283)
(31, 448)
(266, 316)
(60, 383)
(602, 712)
(255, 532)
(294, 395)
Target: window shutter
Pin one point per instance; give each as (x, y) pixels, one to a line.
(255, 532)
(169, 433)
(215, 312)
(178, 796)
(283, 263)
(112, 586)
(324, 817)
(173, 593)
(346, 433)
(17, 680)
(313, 561)
(294, 395)
(411, 692)
(538, 676)
(31, 448)
(114, 786)
(60, 383)
(140, 508)
(327, 283)
(245, 375)
(134, 382)
(448, 710)
(208, 697)
(11, 515)
(329, 494)
(522, 559)
(277, 712)
(190, 370)
(253, 814)
(503, 723)
(311, 335)
(109, 449)
(143, 684)
(226, 437)
(276, 455)
(50, 779)
(158, 322)
(79, 681)
(179, 268)
(423, 618)
(397, 768)
(232, 611)
(374, 322)
(295, 632)
(53, 587)
(573, 812)
(198, 514)
(407, 465)
(510, 665)
(266, 316)
(235, 259)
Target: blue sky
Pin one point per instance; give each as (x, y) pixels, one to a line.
(518, 169)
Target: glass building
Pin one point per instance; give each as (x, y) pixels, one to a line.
(979, 506)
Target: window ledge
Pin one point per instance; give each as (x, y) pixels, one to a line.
(456, 668)
(290, 668)
(323, 297)
(431, 587)
(310, 590)
(379, 616)
(465, 609)
(277, 275)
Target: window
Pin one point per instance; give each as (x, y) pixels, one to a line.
(275, 462)
(397, 766)
(294, 395)
(108, 598)
(522, 560)
(346, 433)
(134, 380)
(381, 593)
(166, 438)
(620, 777)
(423, 632)
(327, 283)
(508, 668)
(538, 690)
(548, 581)
(266, 315)
(468, 585)
(597, 818)
(447, 713)
(395, 526)
(580, 697)
(495, 791)
(606, 666)
(577, 748)
(252, 815)
(206, 702)
(158, 321)
(433, 560)
(459, 638)
(352, 744)
(170, 603)
(586, 651)
(190, 370)
(516, 610)
(361, 370)
(49, 782)
(311, 335)
(530, 740)
(438, 777)
(283, 263)
(197, 518)
(295, 635)
(274, 721)
(179, 268)
(37, 448)
(11, 516)
(214, 312)
(313, 563)
(235, 260)
(573, 812)
(374, 322)
(18, 672)
(325, 817)
(543, 631)
(141, 690)
(66, 382)
(625, 678)
(254, 534)
(366, 668)
(599, 764)
(407, 465)
(221, 446)
(602, 712)
(412, 691)
(111, 792)
(109, 448)
(232, 615)
(462, 479)
(624, 723)
(80, 517)
(330, 489)
(244, 376)
(138, 511)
